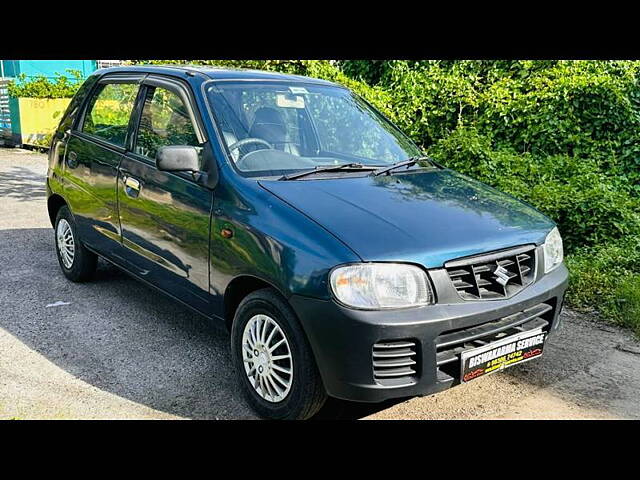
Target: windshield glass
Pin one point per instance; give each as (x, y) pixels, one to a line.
(274, 128)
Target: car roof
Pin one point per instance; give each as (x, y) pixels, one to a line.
(215, 73)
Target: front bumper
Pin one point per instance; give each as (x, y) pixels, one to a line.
(342, 339)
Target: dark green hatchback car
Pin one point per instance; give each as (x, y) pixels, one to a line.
(343, 261)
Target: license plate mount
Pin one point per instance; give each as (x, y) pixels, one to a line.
(496, 356)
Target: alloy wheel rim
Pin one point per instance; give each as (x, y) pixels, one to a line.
(267, 358)
(66, 243)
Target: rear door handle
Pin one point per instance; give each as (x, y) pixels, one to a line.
(132, 186)
(72, 159)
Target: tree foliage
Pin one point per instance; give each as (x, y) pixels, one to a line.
(561, 135)
(61, 86)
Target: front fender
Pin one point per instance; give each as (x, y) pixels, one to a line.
(271, 241)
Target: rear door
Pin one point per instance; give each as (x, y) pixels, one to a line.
(92, 157)
(165, 217)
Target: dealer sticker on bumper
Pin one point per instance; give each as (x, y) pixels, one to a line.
(501, 354)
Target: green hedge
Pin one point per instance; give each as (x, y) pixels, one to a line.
(561, 135)
(605, 278)
(42, 87)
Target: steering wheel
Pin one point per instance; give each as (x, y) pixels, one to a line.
(247, 141)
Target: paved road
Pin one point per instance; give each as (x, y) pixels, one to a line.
(121, 350)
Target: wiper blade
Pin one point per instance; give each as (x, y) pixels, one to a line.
(327, 168)
(405, 163)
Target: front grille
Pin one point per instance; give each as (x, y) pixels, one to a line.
(395, 362)
(450, 344)
(494, 275)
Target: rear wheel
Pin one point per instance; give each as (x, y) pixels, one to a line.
(77, 263)
(273, 360)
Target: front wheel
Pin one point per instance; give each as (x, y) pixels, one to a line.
(273, 360)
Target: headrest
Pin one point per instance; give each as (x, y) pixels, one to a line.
(268, 124)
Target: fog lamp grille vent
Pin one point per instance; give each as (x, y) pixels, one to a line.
(395, 361)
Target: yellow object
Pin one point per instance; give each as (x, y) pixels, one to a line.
(39, 118)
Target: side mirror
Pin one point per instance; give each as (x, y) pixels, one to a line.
(178, 158)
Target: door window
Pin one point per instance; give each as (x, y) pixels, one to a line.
(109, 110)
(165, 121)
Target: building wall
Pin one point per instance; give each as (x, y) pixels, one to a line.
(48, 68)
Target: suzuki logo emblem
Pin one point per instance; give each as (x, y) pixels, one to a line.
(502, 274)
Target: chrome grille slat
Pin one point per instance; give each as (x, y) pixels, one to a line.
(394, 363)
(491, 328)
(505, 263)
(481, 269)
(442, 358)
(396, 372)
(405, 352)
(458, 273)
(394, 345)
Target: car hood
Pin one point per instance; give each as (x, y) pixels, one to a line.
(426, 217)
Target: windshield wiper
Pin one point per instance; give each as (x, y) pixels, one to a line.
(327, 168)
(405, 163)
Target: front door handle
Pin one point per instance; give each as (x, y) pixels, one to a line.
(132, 187)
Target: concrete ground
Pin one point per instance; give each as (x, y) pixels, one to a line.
(116, 349)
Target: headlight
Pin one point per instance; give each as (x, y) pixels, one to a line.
(553, 252)
(375, 286)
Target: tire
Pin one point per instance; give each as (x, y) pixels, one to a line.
(82, 265)
(306, 394)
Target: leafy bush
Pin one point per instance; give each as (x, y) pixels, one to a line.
(372, 72)
(591, 206)
(627, 303)
(606, 277)
(585, 109)
(561, 135)
(42, 87)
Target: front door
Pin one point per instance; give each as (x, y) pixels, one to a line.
(165, 216)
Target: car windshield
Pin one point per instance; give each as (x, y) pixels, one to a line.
(276, 128)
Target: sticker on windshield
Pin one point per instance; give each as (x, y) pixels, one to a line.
(298, 90)
(289, 101)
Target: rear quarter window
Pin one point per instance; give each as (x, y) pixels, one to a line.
(109, 110)
(76, 104)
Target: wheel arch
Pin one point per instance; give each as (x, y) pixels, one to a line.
(54, 203)
(238, 289)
